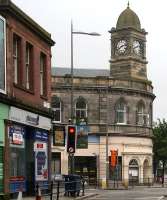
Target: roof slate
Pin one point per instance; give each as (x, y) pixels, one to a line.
(81, 72)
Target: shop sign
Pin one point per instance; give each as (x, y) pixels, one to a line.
(82, 136)
(41, 161)
(41, 135)
(59, 135)
(16, 135)
(39, 146)
(29, 118)
(17, 138)
(34, 120)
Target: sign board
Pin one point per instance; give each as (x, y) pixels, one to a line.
(29, 118)
(41, 161)
(82, 136)
(16, 136)
(59, 135)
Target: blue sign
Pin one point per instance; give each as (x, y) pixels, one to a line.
(41, 135)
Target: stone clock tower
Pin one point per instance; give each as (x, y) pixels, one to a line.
(128, 49)
(116, 105)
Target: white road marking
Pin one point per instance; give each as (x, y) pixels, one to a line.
(149, 198)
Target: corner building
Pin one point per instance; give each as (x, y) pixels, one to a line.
(117, 105)
(25, 118)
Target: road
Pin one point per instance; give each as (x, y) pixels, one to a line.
(139, 193)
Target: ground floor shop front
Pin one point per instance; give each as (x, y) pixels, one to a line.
(134, 161)
(27, 151)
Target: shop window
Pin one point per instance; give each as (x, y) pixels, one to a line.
(2, 55)
(121, 112)
(17, 59)
(29, 66)
(17, 162)
(42, 74)
(56, 108)
(81, 108)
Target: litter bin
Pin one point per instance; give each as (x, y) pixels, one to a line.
(72, 185)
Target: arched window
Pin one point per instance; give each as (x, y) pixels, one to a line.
(56, 108)
(121, 112)
(141, 117)
(81, 108)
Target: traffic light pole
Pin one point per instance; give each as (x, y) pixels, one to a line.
(71, 160)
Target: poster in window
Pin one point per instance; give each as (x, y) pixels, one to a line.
(41, 161)
(2, 54)
(82, 136)
(16, 136)
(59, 135)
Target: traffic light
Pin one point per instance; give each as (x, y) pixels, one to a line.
(71, 138)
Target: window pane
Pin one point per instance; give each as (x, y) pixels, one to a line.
(121, 113)
(120, 117)
(83, 115)
(57, 115)
(2, 56)
(81, 104)
(78, 113)
(17, 162)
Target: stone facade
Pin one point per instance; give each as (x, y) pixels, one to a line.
(128, 129)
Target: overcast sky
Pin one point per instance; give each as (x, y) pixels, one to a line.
(100, 16)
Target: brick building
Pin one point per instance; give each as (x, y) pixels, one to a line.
(117, 106)
(25, 119)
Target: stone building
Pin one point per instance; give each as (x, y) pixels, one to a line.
(117, 105)
(25, 118)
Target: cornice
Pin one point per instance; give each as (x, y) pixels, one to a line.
(104, 88)
(11, 8)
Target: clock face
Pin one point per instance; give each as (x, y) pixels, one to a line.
(137, 47)
(121, 46)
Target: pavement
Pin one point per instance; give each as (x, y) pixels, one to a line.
(132, 193)
(87, 195)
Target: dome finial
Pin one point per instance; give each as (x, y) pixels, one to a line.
(128, 5)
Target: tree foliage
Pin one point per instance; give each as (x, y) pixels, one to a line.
(160, 145)
(160, 141)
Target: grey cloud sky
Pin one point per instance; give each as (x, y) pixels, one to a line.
(100, 16)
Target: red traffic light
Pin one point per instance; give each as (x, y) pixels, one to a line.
(71, 138)
(71, 130)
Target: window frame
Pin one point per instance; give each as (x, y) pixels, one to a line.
(54, 109)
(17, 59)
(43, 63)
(141, 116)
(85, 110)
(29, 66)
(3, 90)
(121, 111)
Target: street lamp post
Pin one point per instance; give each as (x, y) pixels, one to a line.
(72, 63)
(72, 77)
(107, 122)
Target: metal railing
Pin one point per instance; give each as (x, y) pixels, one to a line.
(56, 189)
